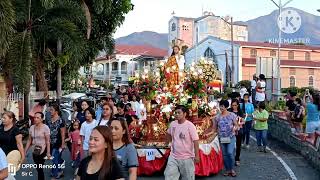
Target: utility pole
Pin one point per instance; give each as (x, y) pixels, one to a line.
(280, 6)
(227, 70)
(232, 53)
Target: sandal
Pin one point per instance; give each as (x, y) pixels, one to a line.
(233, 174)
(226, 174)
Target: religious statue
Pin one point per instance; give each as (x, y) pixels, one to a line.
(174, 65)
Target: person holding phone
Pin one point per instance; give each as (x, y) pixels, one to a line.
(312, 105)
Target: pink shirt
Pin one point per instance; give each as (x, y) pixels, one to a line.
(183, 136)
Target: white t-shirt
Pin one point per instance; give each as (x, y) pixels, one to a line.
(103, 122)
(135, 105)
(261, 96)
(253, 84)
(243, 91)
(86, 129)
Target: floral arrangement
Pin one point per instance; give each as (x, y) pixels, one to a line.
(207, 70)
(195, 87)
(148, 87)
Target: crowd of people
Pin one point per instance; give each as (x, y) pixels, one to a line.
(102, 141)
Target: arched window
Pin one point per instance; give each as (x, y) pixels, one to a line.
(114, 66)
(291, 55)
(173, 27)
(253, 53)
(107, 67)
(292, 81)
(100, 69)
(307, 56)
(209, 53)
(123, 67)
(311, 81)
(273, 53)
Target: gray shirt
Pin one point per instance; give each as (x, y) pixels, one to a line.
(128, 158)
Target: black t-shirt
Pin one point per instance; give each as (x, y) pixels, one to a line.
(116, 170)
(290, 104)
(8, 141)
(55, 132)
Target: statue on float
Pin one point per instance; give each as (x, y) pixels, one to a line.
(174, 68)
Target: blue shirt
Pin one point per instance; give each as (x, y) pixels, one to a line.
(312, 112)
(249, 110)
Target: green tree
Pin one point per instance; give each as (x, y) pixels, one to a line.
(7, 22)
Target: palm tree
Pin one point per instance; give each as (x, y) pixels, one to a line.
(7, 22)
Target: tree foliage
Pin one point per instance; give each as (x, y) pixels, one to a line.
(7, 22)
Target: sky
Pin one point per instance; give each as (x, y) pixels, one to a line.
(154, 15)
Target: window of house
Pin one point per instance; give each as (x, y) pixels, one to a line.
(292, 81)
(209, 53)
(173, 26)
(107, 67)
(307, 56)
(185, 27)
(292, 71)
(291, 55)
(311, 72)
(253, 53)
(123, 67)
(311, 81)
(100, 69)
(114, 66)
(273, 53)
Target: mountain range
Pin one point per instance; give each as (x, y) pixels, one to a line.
(261, 29)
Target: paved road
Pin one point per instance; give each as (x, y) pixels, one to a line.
(254, 165)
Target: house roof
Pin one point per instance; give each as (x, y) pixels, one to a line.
(271, 45)
(252, 61)
(140, 50)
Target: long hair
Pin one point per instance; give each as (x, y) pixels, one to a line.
(172, 54)
(11, 115)
(239, 109)
(106, 167)
(126, 137)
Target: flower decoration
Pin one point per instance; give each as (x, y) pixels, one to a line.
(195, 86)
(148, 87)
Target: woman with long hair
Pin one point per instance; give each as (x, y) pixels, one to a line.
(107, 114)
(10, 137)
(235, 108)
(247, 109)
(124, 148)
(39, 138)
(102, 164)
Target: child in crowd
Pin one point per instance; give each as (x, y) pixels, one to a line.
(75, 138)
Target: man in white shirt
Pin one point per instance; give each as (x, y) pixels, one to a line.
(253, 88)
(3, 165)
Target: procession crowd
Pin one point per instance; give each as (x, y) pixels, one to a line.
(102, 141)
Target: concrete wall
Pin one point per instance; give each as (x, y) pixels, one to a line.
(281, 130)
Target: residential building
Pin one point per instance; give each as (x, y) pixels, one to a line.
(193, 30)
(126, 60)
(300, 64)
